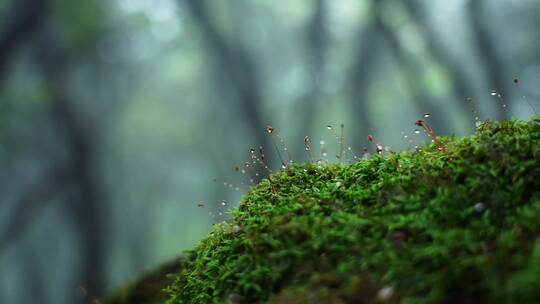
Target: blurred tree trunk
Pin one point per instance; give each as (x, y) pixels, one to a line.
(316, 45)
(487, 52)
(361, 74)
(23, 18)
(461, 82)
(235, 68)
(410, 69)
(87, 207)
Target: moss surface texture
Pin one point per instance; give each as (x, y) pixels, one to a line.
(453, 225)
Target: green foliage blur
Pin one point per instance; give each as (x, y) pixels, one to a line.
(119, 118)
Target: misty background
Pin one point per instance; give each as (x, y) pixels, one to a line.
(122, 121)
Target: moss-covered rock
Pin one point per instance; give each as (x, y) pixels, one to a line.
(453, 225)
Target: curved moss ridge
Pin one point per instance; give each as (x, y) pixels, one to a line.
(455, 226)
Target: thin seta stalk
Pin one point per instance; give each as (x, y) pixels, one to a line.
(273, 134)
(429, 132)
(308, 149)
(262, 159)
(524, 97)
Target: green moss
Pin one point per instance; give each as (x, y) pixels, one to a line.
(455, 226)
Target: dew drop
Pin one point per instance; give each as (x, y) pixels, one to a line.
(223, 203)
(426, 115)
(321, 142)
(493, 93)
(283, 166)
(324, 154)
(237, 189)
(329, 127)
(251, 150)
(479, 207)
(243, 171)
(416, 131)
(385, 293)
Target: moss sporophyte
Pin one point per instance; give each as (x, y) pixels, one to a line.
(453, 222)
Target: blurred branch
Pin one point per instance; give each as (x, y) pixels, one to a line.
(51, 183)
(25, 16)
(488, 53)
(235, 67)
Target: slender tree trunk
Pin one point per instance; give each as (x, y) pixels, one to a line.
(88, 205)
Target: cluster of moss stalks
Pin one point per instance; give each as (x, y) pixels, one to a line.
(457, 225)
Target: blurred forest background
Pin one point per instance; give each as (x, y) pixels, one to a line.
(116, 116)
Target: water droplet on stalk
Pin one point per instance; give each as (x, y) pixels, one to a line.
(329, 127)
(493, 93)
(426, 115)
(416, 131)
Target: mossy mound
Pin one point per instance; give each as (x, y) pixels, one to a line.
(461, 225)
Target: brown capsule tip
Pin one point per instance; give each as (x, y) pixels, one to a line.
(370, 137)
(200, 205)
(419, 122)
(269, 129)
